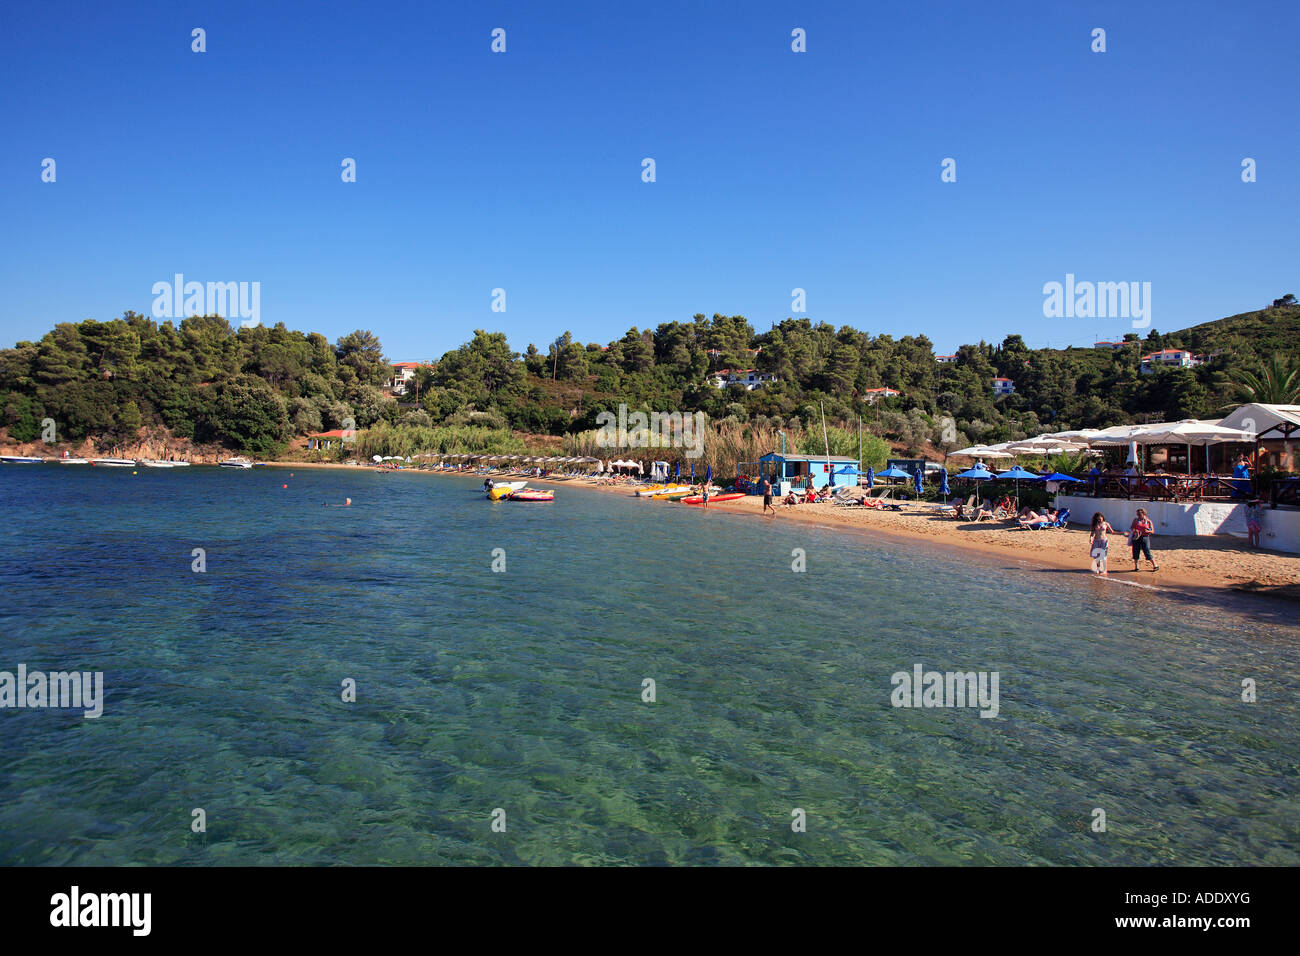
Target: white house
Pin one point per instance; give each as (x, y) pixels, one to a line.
(873, 395)
(1112, 346)
(1003, 386)
(403, 372)
(745, 376)
(945, 359)
(1170, 358)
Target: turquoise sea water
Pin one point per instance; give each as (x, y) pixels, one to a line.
(522, 690)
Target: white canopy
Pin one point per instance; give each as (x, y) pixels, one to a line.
(1258, 417)
(1045, 444)
(1193, 432)
(981, 451)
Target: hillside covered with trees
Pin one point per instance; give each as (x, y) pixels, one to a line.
(257, 389)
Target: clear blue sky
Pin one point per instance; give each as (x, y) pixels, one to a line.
(522, 170)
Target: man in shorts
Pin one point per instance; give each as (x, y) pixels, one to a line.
(767, 497)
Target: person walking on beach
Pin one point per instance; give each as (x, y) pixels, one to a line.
(1140, 533)
(766, 488)
(1099, 543)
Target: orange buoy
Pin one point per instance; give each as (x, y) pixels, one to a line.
(347, 501)
(284, 486)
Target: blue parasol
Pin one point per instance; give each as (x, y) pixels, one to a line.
(678, 473)
(1057, 476)
(1018, 474)
(920, 479)
(871, 477)
(692, 472)
(943, 483)
(893, 471)
(708, 476)
(977, 474)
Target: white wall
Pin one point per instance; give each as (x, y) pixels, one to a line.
(1281, 526)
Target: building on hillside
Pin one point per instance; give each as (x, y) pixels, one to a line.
(873, 395)
(742, 376)
(403, 372)
(1169, 358)
(1112, 346)
(329, 439)
(1003, 386)
(945, 359)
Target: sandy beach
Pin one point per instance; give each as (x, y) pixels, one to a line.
(1199, 565)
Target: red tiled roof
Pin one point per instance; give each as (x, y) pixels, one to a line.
(336, 433)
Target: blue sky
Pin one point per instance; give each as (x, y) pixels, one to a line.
(522, 170)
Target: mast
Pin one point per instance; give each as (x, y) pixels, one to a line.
(830, 475)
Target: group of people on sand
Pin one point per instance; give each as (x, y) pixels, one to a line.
(1139, 538)
(811, 496)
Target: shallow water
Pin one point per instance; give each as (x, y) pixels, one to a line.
(522, 690)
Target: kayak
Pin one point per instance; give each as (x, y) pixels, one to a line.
(650, 491)
(671, 494)
(699, 499)
(533, 496)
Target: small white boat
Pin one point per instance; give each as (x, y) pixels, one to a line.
(237, 462)
(19, 460)
(74, 461)
(113, 462)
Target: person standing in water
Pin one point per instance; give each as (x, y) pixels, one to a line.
(1099, 543)
(1140, 533)
(766, 488)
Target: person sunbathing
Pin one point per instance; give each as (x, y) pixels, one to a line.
(1034, 518)
(985, 509)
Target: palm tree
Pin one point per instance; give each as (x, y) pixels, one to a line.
(1275, 382)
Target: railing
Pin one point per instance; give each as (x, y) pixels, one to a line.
(1166, 487)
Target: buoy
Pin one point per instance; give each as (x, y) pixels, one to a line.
(347, 501)
(284, 486)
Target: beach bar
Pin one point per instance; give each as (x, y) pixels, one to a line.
(794, 471)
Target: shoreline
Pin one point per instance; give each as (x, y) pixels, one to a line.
(1206, 568)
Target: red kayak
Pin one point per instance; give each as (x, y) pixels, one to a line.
(699, 499)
